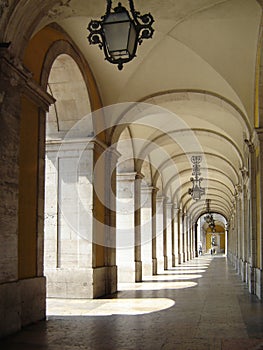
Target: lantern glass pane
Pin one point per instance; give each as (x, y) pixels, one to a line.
(116, 30)
(132, 40)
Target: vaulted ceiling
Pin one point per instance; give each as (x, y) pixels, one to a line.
(197, 74)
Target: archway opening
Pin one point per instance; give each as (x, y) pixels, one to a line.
(68, 183)
(212, 236)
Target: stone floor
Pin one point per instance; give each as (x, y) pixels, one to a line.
(200, 305)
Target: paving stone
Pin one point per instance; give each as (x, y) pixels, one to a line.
(216, 312)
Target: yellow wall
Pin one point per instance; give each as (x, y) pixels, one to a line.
(209, 238)
(222, 241)
(208, 241)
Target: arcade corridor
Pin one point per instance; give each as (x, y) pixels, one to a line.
(116, 186)
(202, 305)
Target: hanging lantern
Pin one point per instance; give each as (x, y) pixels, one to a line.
(196, 191)
(119, 33)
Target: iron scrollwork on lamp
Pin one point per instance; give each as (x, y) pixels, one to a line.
(196, 191)
(119, 33)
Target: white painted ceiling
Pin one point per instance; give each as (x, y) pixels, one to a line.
(199, 68)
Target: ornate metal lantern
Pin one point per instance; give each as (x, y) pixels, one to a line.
(119, 34)
(209, 217)
(196, 191)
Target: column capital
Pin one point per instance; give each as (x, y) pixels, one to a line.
(160, 199)
(169, 204)
(251, 145)
(139, 176)
(15, 75)
(175, 209)
(112, 151)
(155, 190)
(244, 173)
(259, 131)
(126, 176)
(238, 190)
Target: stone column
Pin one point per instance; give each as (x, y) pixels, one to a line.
(195, 229)
(137, 224)
(154, 231)
(246, 232)
(129, 227)
(259, 260)
(159, 232)
(165, 258)
(180, 237)
(9, 171)
(23, 105)
(243, 224)
(169, 249)
(80, 246)
(253, 219)
(195, 240)
(146, 230)
(185, 239)
(191, 239)
(125, 240)
(175, 236)
(238, 226)
(111, 160)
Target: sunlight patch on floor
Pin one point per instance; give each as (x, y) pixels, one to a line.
(156, 285)
(173, 277)
(106, 307)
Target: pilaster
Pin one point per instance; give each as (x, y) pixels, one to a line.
(154, 231)
(180, 237)
(129, 227)
(146, 230)
(17, 89)
(175, 237)
(253, 259)
(159, 232)
(169, 232)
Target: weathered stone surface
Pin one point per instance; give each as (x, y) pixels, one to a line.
(33, 300)
(70, 283)
(10, 308)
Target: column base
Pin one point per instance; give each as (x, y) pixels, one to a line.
(33, 300)
(154, 266)
(189, 255)
(21, 303)
(259, 283)
(104, 281)
(173, 260)
(82, 283)
(251, 280)
(246, 267)
(181, 258)
(243, 271)
(138, 271)
(165, 259)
